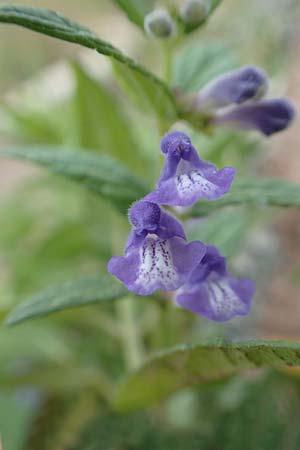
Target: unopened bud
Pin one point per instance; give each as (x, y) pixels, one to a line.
(234, 87)
(159, 24)
(193, 11)
(266, 116)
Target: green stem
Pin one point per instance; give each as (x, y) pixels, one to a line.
(167, 47)
(168, 63)
(131, 342)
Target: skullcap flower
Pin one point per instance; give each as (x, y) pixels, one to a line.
(157, 255)
(185, 177)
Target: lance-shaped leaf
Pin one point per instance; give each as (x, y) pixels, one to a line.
(136, 10)
(56, 25)
(72, 294)
(144, 93)
(99, 173)
(197, 64)
(260, 191)
(101, 123)
(187, 366)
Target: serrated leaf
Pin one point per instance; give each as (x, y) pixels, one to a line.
(56, 25)
(81, 292)
(185, 366)
(99, 173)
(196, 65)
(258, 191)
(136, 10)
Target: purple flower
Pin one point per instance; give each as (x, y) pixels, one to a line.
(185, 177)
(235, 87)
(156, 255)
(213, 293)
(267, 116)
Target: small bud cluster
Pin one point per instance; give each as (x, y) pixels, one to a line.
(161, 24)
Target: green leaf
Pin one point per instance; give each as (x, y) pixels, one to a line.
(99, 173)
(220, 230)
(137, 432)
(145, 94)
(267, 418)
(196, 65)
(15, 420)
(29, 125)
(56, 25)
(136, 10)
(100, 121)
(37, 343)
(256, 192)
(186, 366)
(82, 292)
(61, 420)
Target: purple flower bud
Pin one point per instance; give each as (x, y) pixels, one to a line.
(235, 87)
(267, 116)
(156, 254)
(193, 11)
(185, 177)
(213, 293)
(159, 24)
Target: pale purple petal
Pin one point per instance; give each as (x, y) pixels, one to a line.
(212, 293)
(125, 268)
(187, 188)
(157, 264)
(169, 226)
(212, 261)
(268, 116)
(218, 298)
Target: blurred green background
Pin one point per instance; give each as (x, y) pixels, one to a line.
(57, 374)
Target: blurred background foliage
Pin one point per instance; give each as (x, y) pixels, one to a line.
(58, 374)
